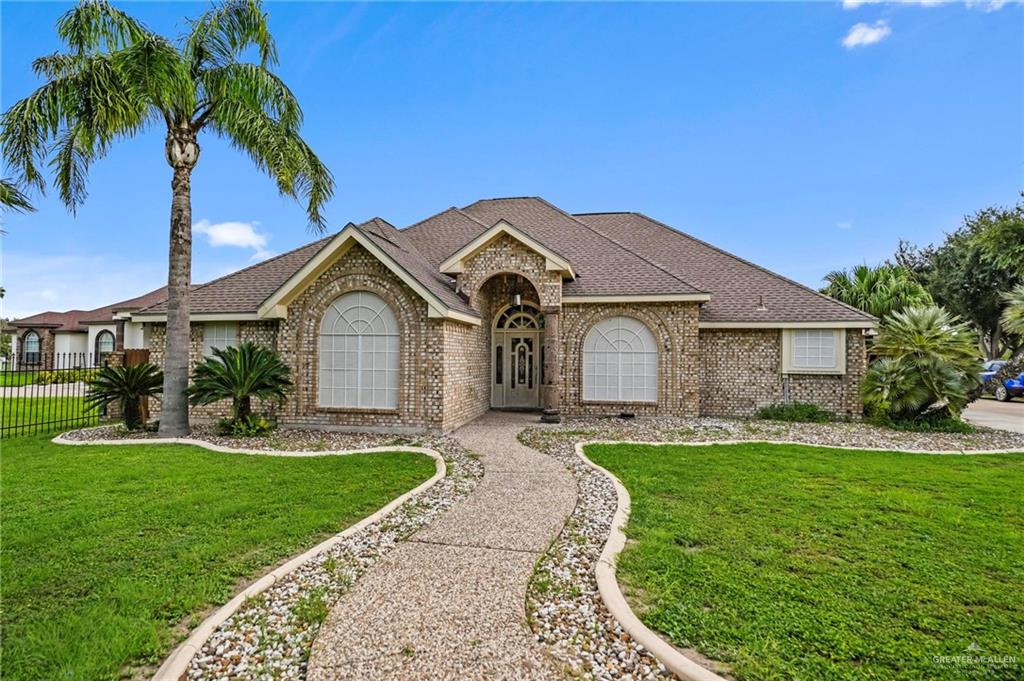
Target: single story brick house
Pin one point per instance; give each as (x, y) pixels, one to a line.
(514, 303)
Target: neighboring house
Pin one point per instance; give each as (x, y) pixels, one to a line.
(81, 337)
(516, 304)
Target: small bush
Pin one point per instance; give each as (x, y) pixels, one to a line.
(795, 411)
(249, 426)
(936, 422)
(65, 376)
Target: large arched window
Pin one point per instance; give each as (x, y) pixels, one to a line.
(31, 343)
(104, 346)
(359, 353)
(620, 362)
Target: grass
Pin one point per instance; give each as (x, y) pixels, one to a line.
(53, 412)
(17, 378)
(107, 550)
(791, 562)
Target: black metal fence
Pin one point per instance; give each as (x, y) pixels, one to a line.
(47, 396)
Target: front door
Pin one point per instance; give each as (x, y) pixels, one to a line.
(515, 360)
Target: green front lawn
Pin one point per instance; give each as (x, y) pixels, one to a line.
(790, 562)
(106, 550)
(17, 378)
(51, 413)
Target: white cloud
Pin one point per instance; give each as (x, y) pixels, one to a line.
(845, 224)
(237, 234)
(862, 34)
(984, 5)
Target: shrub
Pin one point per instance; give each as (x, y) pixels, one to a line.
(127, 386)
(935, 422)
(795, 411)
(249, 426)
(65, 376)
(928, 362)
(240, 374)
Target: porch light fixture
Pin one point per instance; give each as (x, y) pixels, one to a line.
(517, 299)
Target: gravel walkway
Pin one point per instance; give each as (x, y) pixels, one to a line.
(448, 602)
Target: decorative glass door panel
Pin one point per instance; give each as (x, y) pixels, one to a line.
(515, 375)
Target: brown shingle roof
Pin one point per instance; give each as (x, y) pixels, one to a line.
(611, 254)
(737, 287)
(75, 320)
(246, 289)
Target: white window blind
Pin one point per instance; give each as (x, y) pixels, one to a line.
(219, 335)
(359, 353)
(814, 349)
(620, 362)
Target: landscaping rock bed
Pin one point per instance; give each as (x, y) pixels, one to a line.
(564, 606)
(271, 636)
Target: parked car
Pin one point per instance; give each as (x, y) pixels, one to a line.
(990, 369)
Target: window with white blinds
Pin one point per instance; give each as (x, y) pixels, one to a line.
(814, 351)
(620, 362)
(359, 353)
(219, 335)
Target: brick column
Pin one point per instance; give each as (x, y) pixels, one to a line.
(552, 388)
(119, 335)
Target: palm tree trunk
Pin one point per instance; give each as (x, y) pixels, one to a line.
(182, 154)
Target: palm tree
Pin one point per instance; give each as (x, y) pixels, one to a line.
(929, 358)
(879, 291)
(126, 386)
(240, 374)
(117, 79)
(1012, 319)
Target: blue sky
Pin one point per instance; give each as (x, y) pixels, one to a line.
(803, 136)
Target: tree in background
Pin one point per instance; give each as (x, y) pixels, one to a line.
(117, 79)
(968, 273)
(879, 291)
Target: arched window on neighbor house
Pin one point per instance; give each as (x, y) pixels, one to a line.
(32, 345)
(359, 353)
(104, 346)
(620, 362)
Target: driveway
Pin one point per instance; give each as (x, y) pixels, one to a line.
(995, 414)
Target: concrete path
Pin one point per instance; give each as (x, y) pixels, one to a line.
(995, 414)
(449, 603)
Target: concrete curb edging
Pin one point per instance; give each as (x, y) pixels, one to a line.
(175, 666)
(608, 586)
(604, 572)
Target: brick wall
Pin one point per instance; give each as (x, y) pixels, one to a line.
(506, 255)
(674, 326)
(420, 387)
(741, 371)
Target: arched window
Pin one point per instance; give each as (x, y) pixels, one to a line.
(104, 345)
(620, 362)
(32, 344)
(359, 353)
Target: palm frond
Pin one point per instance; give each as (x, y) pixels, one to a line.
(221, 34)
(251, 86)
(11, 198)
(96, 25)
(1012, 318)
(280, 152)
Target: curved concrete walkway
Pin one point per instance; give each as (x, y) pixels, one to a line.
(450, 602)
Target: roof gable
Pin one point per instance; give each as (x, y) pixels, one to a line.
(553, 262)
(376, 237)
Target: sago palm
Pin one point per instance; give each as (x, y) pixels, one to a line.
(879, 291)
(116, 79)
(240, 374)
(126, 386)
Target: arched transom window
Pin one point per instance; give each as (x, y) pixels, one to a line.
(518, 317)
(620, 362)
(359, 353)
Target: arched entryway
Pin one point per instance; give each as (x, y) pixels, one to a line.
(511, 304)
(517, 357)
